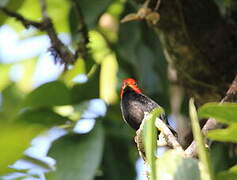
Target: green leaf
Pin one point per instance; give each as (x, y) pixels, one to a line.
(224, 135)
(206, 169)
(15, 139)
(11, 102)
(26, 82)
(42, 116)
(225, 112)
(108, 79)
(173, 166)
(77, 69)
(150, 138)
(57, 11)
(87, 90)
(77, 155)
(53, 93)
(12, 5)
(91, 11)
(231, 174)
(4, 75)
(117, 163)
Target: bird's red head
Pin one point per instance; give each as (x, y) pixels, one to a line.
(132, 84)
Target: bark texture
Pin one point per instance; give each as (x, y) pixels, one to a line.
(201, 44)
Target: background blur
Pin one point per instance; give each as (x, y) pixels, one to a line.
(70, 119)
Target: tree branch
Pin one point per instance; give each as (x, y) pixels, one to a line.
(211, 123)
(168, 135)
(59, 50)
(27, 23)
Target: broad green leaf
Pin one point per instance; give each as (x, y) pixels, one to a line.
(205, 166)
(173, 166)
(224, 113)
(11, 102)
(224, 135)
(231, 174)
(108, 79)
(219, 158)
(15, 139)
(53, 93)
(77, 69)
(87, 90)
(4, 75)
(117, 163)
(57, 11)
(150, 139)
(42, 116)
(26, 82)
(78, 155)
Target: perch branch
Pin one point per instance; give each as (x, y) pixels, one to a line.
(165, 132)
(139, 141)
(211, 123)
(168, 135)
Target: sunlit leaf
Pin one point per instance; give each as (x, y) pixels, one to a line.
(225, 112)
(98, 46)
(15, 138)
(231, 174)
(108, 79)
(77, 69)
(49, 94)
(4, 75)
(26, 81)
(173, 166)
(57, 11)
(224, 135)
(205, 166)
(150, 139)
(12, 5)
(78, 155)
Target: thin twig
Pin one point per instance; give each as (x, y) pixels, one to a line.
(157, 5)
(211, 123)
(65, 55)
(59, 50)
(27, 23)
(43, 9)
(82, 28)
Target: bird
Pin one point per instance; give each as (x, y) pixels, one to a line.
(134, 104)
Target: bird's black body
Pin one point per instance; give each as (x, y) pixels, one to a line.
(134, 105)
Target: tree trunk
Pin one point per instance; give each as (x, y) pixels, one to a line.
(200, 44)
